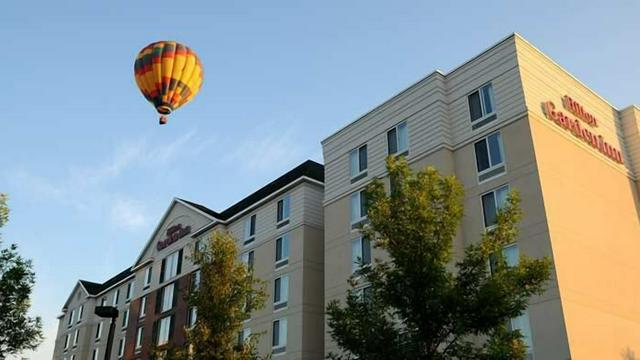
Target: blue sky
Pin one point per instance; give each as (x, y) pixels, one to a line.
(90, 172)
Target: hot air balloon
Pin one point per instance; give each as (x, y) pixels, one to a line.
(169, 75)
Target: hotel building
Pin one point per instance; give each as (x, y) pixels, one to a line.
(279, 229)
(511, 118)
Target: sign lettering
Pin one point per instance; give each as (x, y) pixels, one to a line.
(174, 234)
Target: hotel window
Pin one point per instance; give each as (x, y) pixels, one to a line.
(358, 208)
(481, 106)
(71, 316)
(95, 354)
(196, 279)
(489, 157)
(76, 337)
(171, 266)
(243, 336)
(284, 207)
(139, 333)
(358, 163)
(103, 301)
(360, 254)
(99, 331)
(125, 319)
(279, 341)
(192, 316)
(147, 277)
(73, 357)
(121, 345)
(164, 330)
(492, 202)
(249, 229)
(248, 259)
(80, 312)
(280, 292)
(398, 139)
(282, 251)
(116, 297)
(167, 298)
(521, 323)
(364, 293)
(66, 341)
(143, 306)
(129, 291)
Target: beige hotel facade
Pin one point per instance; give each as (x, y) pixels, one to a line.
(509, 118)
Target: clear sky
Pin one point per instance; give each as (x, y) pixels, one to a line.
(90, 172)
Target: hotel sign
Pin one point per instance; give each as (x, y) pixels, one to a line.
(174, 234)
(574, 124)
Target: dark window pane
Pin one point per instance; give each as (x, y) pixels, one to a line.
(392, 141)
(366, 251)
(276, 333)
(280, 210)
(252, 229)
(494, 149)
(250, 261)
(363, 158)
(276, 291)
(482, 157)
(279, 249)
(363, 205)
(475, 109)
(489, 209)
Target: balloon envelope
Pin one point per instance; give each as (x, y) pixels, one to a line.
(169, 75)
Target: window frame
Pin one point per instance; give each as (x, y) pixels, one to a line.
(76, 335)
(116, 297)
(361, 240)
(130, 289)
(396, 128)
(281, 291)
(80, 313)
(486, 117)
(286, 210)
(121, 347)
(192, 316)
(281, 346)
(492, 167)
(167, 320)
(147, 276)
(284, 239)
(99, 331)
(248, 258)
(143, 307)
(360, 195)
(493, 191)
(355, 154)
(163, 297)
(139, 338)
(250, 225)
(125, 318)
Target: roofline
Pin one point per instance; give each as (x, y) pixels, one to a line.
(258, 203)
(114, 285)
(436, 72)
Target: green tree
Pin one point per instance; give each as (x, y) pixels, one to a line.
(420, 303)
(18, 331)
(224, 297)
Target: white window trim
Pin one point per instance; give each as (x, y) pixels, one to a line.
(482, 104)
(360, 266)
(283, 300)
(362, 218)
(495, 201)
(357, 152)
(282, 339)
(491, 166)
(164, 320)
(76, 335)
(80, 313)
(147, 277)
(284, 219)
(122, 344)
(116, 297)
(139, 338)
(284, 262)
(143, 307)
(163, 299)
(396, 127)
(247, 237)
(99, 335)
(125, 314)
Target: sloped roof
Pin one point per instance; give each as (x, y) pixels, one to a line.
(96, 288)
(309, 168)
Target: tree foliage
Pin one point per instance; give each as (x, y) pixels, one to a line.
(224, 298)
(421, 304)
(18, 331)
